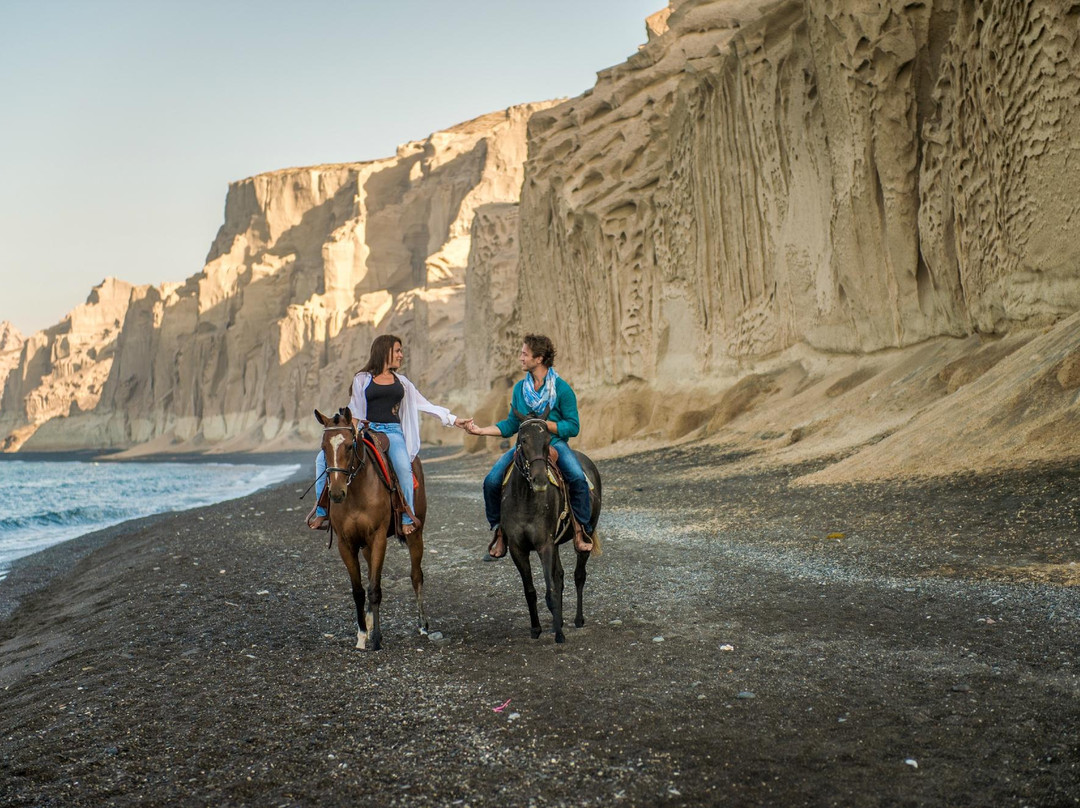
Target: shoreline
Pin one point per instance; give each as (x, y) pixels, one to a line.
(225, 458)
(31, 573)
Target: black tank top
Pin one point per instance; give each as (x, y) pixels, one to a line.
(384, 401)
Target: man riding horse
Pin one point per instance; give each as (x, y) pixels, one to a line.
(542, 393)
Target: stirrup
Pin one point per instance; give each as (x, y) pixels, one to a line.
(497, 541)
(582, 541)
(316, 521)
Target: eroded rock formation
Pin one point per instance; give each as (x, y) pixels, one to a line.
(806, 228)
(849, 176)
(62, 370)
(782, 188)
(11, 342)
(308, 265)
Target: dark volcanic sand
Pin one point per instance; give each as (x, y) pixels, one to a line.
(928, 657)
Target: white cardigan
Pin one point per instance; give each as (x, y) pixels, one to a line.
(412, 405)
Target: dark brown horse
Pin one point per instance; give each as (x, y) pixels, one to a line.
(536, 518)
(361, 516)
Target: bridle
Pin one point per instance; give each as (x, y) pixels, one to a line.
(524, 464)
(356, 456)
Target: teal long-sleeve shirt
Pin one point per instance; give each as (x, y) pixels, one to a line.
(564, 413)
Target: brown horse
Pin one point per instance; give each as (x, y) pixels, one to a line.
(361, 516)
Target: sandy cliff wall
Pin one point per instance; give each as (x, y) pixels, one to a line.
(805, 228)
(308, 266)
(793, 226)
(62, 370)
(11, 342)
(850, 176)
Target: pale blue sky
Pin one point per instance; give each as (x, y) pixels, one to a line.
(123, 121)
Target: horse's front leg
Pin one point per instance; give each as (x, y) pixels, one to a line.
(521, 561)
(375, 554)
(553, 576)
(347, 549)
(579, 583)
(416, 556)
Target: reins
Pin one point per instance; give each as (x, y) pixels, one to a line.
(523, 464)
(524, 468)
(350, 472)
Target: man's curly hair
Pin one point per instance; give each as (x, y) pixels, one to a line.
(541, 346)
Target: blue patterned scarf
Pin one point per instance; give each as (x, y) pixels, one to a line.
(544, 399)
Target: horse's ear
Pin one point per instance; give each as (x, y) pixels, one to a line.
(347, 415)
(545, 415)
(519, 416)
(322, 419)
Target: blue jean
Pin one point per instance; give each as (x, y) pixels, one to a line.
(399, 459)
(571, 470)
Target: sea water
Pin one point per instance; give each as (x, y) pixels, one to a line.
(45, 503)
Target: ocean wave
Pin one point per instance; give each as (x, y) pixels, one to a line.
(81, 515)
(42, 504)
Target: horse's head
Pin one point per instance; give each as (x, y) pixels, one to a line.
(338, 445)
(533, 441)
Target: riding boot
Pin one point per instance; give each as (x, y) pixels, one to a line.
(497, 548)
(581, 543)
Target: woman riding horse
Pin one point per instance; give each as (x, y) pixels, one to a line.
(392, 405)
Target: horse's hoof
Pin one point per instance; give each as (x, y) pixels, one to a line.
(535, 633)
(578, 623)
(361, 640)
(560, 638)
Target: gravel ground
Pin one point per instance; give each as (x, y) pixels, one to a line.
(747, 642)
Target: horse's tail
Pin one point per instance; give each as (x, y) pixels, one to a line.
(597, 545)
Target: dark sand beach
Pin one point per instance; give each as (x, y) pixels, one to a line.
(748, 642)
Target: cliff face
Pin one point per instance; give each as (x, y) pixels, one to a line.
(309, 265)
(801, 227)
(846, 176)
(11, 342)
(810, 228)
(62, 371)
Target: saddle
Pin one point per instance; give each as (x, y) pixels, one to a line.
(556, 479)
(379, 445)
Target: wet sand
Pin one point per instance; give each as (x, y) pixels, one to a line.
(746, 643)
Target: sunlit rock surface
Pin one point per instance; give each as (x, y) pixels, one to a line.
(782, 188)
(805, 230)
(309, 265)
(11, 342)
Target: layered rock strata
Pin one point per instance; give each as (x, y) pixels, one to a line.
(777, 185)
(11, 342)
(308, 266)
(62, 371)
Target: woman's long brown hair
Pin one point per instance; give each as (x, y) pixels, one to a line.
(381, 349)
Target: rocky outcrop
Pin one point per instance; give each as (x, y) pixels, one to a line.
(805, 228)
(308, 266)
(852, 178)
(780, 191)
(11, 342)
(62, 370)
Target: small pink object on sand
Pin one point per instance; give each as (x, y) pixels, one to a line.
(502, 706)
